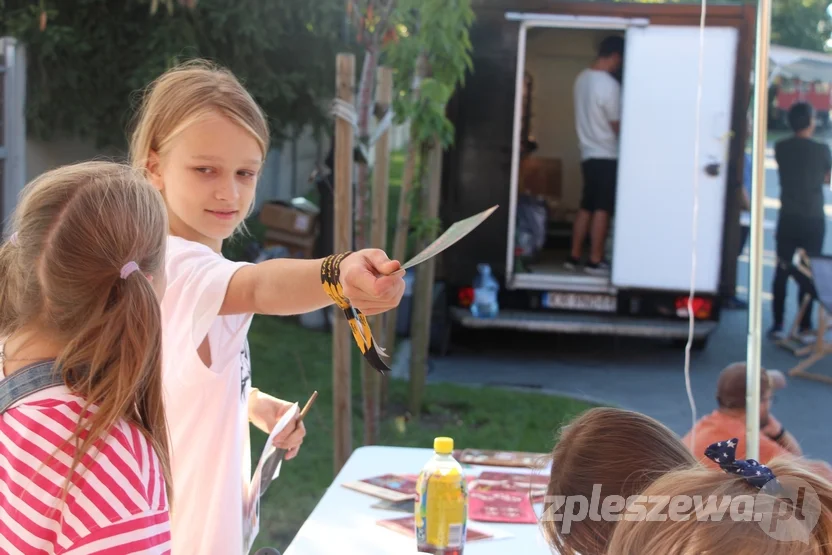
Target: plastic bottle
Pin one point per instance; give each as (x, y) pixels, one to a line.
(441, 512)
(485, 294)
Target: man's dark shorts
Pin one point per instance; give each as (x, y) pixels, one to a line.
(600, 177)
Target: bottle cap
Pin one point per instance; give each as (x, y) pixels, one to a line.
(443, 445)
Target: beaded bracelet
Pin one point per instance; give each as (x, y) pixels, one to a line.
(331, 282)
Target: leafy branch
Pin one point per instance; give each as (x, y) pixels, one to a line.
(86, 65)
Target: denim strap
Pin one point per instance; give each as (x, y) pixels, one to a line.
(27, 381)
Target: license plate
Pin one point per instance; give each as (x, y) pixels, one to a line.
(580, 301)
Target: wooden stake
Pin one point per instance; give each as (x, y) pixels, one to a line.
(423, 287)
(362, 193)
(378, 239)
(341, 335)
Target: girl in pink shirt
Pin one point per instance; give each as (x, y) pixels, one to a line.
(202, 140)
(84, 463)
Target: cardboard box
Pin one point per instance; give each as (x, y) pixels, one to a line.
(542, 177)
(283, 216)
(299, 246)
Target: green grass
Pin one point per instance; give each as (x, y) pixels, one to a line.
(290, 362)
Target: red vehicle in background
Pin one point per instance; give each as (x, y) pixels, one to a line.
(785, 92)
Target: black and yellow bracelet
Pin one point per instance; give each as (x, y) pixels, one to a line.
(331, 282)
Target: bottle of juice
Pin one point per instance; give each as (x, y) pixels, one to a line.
(441, 512)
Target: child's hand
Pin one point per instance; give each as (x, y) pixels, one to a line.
(367, 283)
(265, 411)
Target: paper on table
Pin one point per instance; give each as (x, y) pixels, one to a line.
(453, 234)
(406, 525)
(251, 501)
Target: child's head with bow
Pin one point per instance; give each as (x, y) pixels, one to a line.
(619, 451)
(783, 508)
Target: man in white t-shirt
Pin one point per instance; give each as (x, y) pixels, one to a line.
(597, 117)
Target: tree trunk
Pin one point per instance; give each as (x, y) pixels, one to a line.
(341, 336)
(422, 301)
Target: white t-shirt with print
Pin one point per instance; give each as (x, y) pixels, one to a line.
(207, 408)
(597, 103)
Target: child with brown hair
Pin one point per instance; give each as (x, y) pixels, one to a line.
(202, 141)
(737, 510)
(604, 452)
(83, 436)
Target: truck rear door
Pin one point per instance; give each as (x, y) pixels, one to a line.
(663, 169)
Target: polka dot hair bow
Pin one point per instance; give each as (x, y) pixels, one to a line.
(724, 454)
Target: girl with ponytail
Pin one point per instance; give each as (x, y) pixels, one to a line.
(85, 459)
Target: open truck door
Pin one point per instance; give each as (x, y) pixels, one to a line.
(662, 170)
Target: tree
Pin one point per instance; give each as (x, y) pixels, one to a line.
(87, 62)
(371, 19)
(429, 61)
(802, 24)
(372, 22)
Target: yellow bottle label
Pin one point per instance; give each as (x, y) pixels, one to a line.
(441, 509)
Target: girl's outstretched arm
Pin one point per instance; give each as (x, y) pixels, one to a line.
(289, 286)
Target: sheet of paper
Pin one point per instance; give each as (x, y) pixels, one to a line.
(475, 532)
(251, 502)
(453, 234)
(515, 459)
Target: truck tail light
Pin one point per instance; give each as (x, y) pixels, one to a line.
(702, 307)
(465, 296)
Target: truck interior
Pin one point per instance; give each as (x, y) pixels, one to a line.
(550, 181)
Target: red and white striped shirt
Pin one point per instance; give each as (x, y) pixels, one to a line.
(116, 505)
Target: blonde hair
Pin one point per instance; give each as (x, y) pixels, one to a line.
(729, 534)
(76, 227)
(182, 96)
(621, 450)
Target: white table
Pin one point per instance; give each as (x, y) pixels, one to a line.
(344, 523)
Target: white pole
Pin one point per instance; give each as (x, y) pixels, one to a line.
(13, 132)
(755, 262)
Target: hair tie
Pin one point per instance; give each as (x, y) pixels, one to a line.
(128, 269)
(13, 239)
(724, 454)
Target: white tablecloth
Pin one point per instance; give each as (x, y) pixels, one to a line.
(344, 523)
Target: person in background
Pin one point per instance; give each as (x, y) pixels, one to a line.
(728, 420)
(804, 166)
(745, 199)
(732, 302)
(597, 118)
